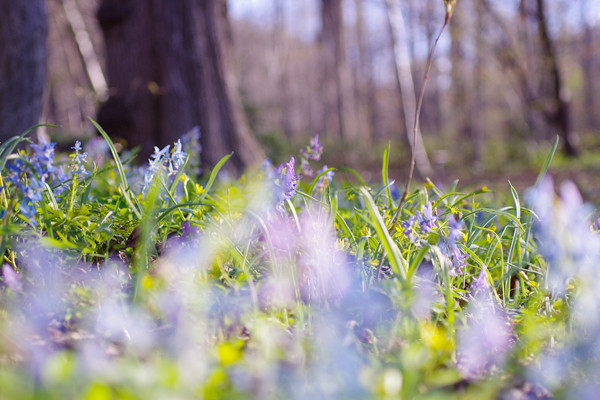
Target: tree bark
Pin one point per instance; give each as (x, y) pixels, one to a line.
(23, 31)
(169, 69)
(406, 87)
(560, 114)
(478, 109)
(461, 97)
(335, 71)
(588, 64)
(366, 102)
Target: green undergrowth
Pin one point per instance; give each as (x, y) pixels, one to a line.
(121, 282)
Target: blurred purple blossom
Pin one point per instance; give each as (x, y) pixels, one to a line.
(305, 168)
(480, 284)
(286, 183)
(313, 151)
(563, 233)
(323, 268)
(12, 279)
(325, 179)
(484, 343)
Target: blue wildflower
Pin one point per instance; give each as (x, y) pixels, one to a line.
(177, 159)
(79, 159)
(29, 174)
(156, 161)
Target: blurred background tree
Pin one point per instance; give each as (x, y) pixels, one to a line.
(508, 77)
(23, 30)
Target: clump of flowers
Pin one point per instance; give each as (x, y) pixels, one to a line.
(421, 223)
(313, 151)
(28, 173)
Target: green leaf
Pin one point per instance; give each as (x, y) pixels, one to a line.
(398, 263)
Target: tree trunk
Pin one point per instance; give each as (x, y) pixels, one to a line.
(560, 114)
(478, 108)
(461, 110)
(336, 75)
(365, 85)
(23, 30)
(406, 87)
(588, 63)
(280, 66)
(169, 69)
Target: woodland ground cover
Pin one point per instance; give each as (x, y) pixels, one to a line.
(293, 281)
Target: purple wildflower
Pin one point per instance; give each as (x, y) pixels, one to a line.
(313, 151)
(484, 343)
(455, 231)
(480, 284)
(287, 182)
(456, 258)
(426, 218)
(305, 168)
(408, 231)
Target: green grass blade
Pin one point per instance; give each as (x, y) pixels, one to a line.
(385, 175)
(398, 263)
(213, 176)
(124, 185)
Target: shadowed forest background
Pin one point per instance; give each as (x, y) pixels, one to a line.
(260, 77)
